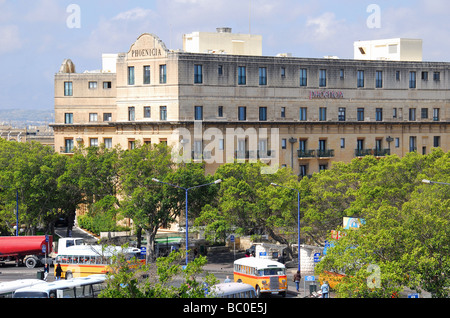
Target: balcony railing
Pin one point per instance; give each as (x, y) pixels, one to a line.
(372, 152)
(66, 150)
(306, 153)
(325, 153)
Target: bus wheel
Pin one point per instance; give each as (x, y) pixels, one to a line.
(68, 275)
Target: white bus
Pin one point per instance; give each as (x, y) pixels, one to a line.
(7, 289)
(233, 290)
(80, 287)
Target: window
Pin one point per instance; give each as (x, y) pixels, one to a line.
(303, 113)
(68, 143)
(146, 74)
(437, 76)
(322, 113)
(68, 118)
(242, 75)
(322, 144)
(424, 113)
(412, 114)
(283, 72)
(360, 114)
(162, 74)
(220, 70)
(394, 112)
(341, 74)
(131, 114)
(163, 112)
(131, 75)
(397, 75)
(93, 117)
(360, 79)
(147, 112)
(424, 76)
(342, 143)
(92, 85)
(220, 111)
(436, 141)
(262, 76)
(283, 143)
(412, 143)
(131, 144)
(341, 114)
(379, 114)
(93, 142)
(108, 143)
(242, 113)
(323, 78)
(263, 113)
(303, 170)
(198, 74)
(283, 112)
(379, 79)
(412, 79)
(303, 77)
(198, 113)
(68, 89)
(436, 114)
(397, 142)
(221, 144)
(107, 85)
(359, 144)
(107, 116)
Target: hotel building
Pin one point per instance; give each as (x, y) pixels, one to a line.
(220, 104)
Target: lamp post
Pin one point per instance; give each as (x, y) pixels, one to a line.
(186, 194)
(429, 181)
(298, 217)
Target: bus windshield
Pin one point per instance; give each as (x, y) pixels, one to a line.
(271, 271)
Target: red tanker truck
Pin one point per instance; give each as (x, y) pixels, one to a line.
(30, 250)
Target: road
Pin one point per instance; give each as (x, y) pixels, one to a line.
(221, 266)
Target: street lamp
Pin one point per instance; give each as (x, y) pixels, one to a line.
(429, 181)
(298, 217)
(186, 194)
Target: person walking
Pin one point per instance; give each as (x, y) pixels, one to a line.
(46, 270)
(297, 278)
(325, 289)
(58, 272)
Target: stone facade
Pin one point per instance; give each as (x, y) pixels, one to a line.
(304, 113)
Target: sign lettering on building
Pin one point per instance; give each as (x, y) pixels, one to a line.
(326, 94)
(147, 46)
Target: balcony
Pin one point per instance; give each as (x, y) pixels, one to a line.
(266, 154)
(372, 152)
(325, 153)
(198, 156)
(66, 150)
(306, 153)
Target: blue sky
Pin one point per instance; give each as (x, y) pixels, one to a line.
(35, 37)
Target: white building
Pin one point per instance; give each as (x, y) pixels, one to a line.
(397, 49)
(223, 42)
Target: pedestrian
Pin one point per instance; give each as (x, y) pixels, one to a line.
(227, 280)
(58, 272)
(325, 289)
(297, 278)
(46, 270)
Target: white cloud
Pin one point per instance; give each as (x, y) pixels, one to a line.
(134, 14)
(9, 38)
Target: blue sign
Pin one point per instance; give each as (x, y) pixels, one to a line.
(310, 278)
(231, 238)
(262, 254)
(316, 257)
(413, 295)
(143, 250)
(44, 248)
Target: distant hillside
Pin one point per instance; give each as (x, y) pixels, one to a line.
(26, 117)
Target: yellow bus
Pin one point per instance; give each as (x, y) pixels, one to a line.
(266, 276)
(86, 260)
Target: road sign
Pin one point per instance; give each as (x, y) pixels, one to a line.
(44, 248)
(413, 295)
(310, 279)
(316, 257)
(143, 250)
(231, 238)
